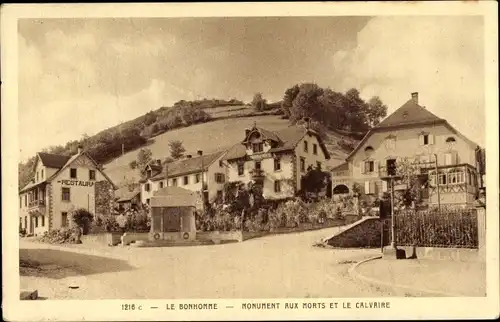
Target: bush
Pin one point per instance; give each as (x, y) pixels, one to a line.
(62, 236)
(290, 214)
(22, 232)
(82, 218)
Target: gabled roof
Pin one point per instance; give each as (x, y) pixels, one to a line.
(341, 167)
(288, 139)
(188, 165)
(409, 113)
(266, 134)
(53, 160)
(125, 194)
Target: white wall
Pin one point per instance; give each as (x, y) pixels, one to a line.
(309, 156)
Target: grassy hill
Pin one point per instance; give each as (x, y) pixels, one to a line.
(213, 136)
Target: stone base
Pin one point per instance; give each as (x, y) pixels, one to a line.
(29, 294)
(393, 253)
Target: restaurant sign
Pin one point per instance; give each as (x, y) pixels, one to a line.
(77, 183)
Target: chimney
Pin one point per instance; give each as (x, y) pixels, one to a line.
(200, 153)
(188, 156)
(414, 97)
(158, 161)
(80, 149)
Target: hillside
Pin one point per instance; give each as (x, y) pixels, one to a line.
(209, 137)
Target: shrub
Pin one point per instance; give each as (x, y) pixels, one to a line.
(22, 232)
(62, 236)
(110, 224)
(293, 212)
(82, 218)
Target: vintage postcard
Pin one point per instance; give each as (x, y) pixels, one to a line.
(250, 161)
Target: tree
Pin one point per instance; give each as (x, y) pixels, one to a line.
(144, 157)
(288, 98)
(313, 182)
(258, 102)
(176, 149)
(409, 173)
(306, 102)
(376, 110)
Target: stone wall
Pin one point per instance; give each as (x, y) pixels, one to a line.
(366, 233)
(104, 198)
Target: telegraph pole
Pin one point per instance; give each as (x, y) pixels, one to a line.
(393, 226)
(437, 182)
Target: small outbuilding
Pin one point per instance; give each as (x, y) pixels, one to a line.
(173, 214)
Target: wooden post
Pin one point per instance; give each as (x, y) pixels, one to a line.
(481, 229)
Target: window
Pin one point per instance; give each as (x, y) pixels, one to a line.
(197, 178)
(36, 176)
(174, 182)
(91, 174)
(36, 221)
(241, 169)
(277, 164)
(219, 178)
(72, 173)
(456, 177)
(147, 187)
(426, 139)
(390, 143)
(369, 166)
(25, 222)
(25, 200)
(257, 165)
(318, 165)
(148, 201)
(66, 194)
(277, 186)
(442, 178)
(43, 221)
(306, 147)
(315, 149)
(257, 147)
(41, 174)
(220, 164)
(20, 202)
(186, 180)
(302, 165)
(161, 184)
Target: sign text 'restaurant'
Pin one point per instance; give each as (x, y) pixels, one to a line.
(77, 183)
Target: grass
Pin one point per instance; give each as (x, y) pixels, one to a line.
(210, 137)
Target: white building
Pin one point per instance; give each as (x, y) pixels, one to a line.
(188, 173)
(277, 160)
(61, 184)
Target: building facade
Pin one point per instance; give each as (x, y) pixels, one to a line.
(414, 141)
(276, 160)
(188, 173)
(60, 185)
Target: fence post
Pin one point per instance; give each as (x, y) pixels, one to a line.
(481, 228)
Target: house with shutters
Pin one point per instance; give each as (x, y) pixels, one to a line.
(276, 160)
(190, 172)
(446, 162)
(60, 185)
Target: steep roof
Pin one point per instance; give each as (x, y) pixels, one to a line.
(188, 165)
(409, 113)
(53, 160)
(342, 167)
(288, 139)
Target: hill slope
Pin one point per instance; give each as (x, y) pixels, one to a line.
(209, 137)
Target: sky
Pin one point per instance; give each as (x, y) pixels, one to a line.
(81, 76)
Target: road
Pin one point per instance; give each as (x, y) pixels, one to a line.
(280, 266)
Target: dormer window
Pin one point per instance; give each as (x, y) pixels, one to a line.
(72, 173)
(257, 147)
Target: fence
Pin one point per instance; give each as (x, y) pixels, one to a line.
(457, 228)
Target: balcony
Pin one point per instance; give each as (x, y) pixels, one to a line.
(257, 174)
(37, 206)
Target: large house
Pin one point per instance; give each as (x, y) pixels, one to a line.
(62, 184)
(276, 160)
(427, 144)
(189, 173)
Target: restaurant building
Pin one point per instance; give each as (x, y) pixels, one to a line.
(61, 184)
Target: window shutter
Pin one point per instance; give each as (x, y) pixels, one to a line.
(448, 158)
(454, 157)
(421, 139)
(372, 187)
(367, 187)
(431, 138)
(375, 166)
(384, 186)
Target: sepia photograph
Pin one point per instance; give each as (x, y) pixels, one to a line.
(277, 162)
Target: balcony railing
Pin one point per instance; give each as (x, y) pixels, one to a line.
(257, 174)
(422, 168)
(37, 203)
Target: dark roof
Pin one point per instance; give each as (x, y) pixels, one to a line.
(188, 165)
(342, 167)
(53, 160)
(409, 113)
(288, 139)
(124, 194)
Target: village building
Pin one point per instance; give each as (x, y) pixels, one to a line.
(276, 160)
(60, 185)
(190, 172)
(414, 136)
(128, 198)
